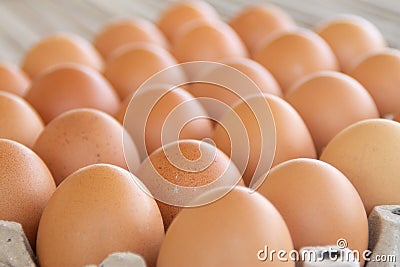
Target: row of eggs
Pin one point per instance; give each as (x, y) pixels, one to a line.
(311, 103)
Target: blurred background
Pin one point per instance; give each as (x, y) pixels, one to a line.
(23, 22)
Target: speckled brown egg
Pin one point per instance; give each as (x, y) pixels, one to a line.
(291, 137)
(379, 74)
(96, 211)
(132, 65)
(60, 48)
(69, 86)
(351, 37)
(18, 120)
(257, 22)
(81, 137)
(228, 232)
(367, 152)
(169, 163)
(13, 79)
(318, 203)
(121, 32)
(209, 41)
(183, 12)
(292, 55)
(328, 102)
(26, 185)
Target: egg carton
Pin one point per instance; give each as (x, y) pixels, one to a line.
(384, 243)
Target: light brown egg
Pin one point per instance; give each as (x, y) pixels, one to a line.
(261, 77)
(132, 65)
(60, 48)
(287, 136)
(228, 232)
(292, 55)
(13, 79)
(98, 210)
(165, 116)
(368, 153)
(18, 120)
(121, 32)
(69, 86)
(328, 102)
(170, 163)
(176, 16)
(318, 203)
(25, 187)
(260, 21)
(379, 74)
(351, 37)
(209, 41)
(79, 138)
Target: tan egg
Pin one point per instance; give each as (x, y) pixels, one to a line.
(18, 120)
(165, 116)
(13, 79)
(70, 86)
(79, 138)
(257, 22)
(290, 138)
(183, 12)
(292, 55)
(351, 37)
(25, 187)
(232, 231)
(258, 75)
(328, 102)
(318, 203)
(379, 74)
(60, 48)
(209, 41)
(132, 65)
(170, 163)
(121, 32)
(367, 152)
(98, 210)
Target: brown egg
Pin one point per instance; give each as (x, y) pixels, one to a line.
(98, 210)
(351, 38)
(165, 116)
(79, 138)
(18, 120)
(318, 203)
(132, 65)
(292, 55)
(258, 22)
(69, 86)
(265, 82)
(285, 134)
(60, 48)
(209, 41)
(368, 153)
(379, 74)
(25, 187)
(328, 102)
(231, 231)
(171, 163)
(183, 12)
(121, 32)
(13, 79)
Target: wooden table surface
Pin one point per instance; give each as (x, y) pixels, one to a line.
(23, 22)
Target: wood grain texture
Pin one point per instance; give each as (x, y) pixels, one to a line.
(24, 22)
